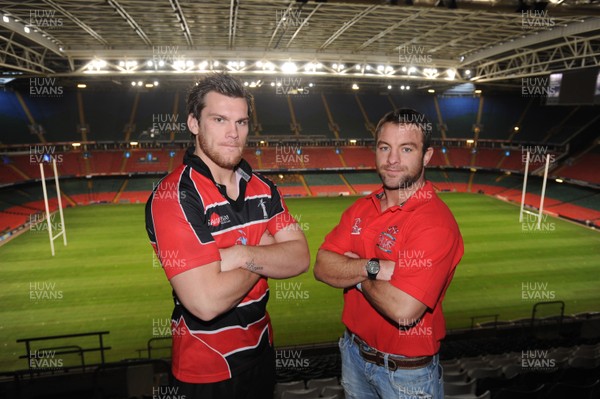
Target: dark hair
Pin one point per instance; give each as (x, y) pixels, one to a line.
(407, 116)
(221, 83)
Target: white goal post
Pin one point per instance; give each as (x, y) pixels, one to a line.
(61, 228)
(541, 209)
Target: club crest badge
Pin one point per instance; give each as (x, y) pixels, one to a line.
(387, 239)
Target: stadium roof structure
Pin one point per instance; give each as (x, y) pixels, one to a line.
(424, 43)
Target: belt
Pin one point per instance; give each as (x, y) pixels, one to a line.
(394, 362)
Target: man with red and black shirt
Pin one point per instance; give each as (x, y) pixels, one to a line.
(220, 231)
(394, 253)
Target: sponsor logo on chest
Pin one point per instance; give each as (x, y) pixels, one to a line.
(215, 220)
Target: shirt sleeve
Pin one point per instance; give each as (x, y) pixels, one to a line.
(279, 215)
(426, 263)
(339, 239)
(178, 225)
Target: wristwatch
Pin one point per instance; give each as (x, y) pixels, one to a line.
(372, 268)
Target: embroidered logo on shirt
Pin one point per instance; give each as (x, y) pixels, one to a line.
(242, 239)
(356, 229)
(264, 208)
(387, 240)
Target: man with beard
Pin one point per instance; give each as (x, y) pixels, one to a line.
(220, 231)
(394, 253)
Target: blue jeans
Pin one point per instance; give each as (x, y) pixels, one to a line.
(364, 380)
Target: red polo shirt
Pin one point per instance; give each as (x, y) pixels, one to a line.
(424, 241)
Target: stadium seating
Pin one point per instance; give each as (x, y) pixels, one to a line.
(584, 168)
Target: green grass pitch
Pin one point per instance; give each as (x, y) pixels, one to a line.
(107, 278)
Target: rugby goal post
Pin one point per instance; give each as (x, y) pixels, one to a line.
(61, 229)
(541, 209)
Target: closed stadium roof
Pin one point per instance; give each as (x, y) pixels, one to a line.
(426, 43)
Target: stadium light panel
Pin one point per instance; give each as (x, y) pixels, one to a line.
(6, 19)
(289, 67)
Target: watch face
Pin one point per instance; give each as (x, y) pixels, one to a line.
(372, 267)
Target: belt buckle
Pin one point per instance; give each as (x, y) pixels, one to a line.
(391, 365)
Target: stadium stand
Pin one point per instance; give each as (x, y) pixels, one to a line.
(584, 168)
(347, 115)
(273, 115)
(459, 114)
(485, 362)
(500, 115)
(311, 115)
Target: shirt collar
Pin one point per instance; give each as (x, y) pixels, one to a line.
(192, 160)
(419, 197)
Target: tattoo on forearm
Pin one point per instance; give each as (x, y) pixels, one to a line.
(253, 267)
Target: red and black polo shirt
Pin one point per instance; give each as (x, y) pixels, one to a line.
(188, 218)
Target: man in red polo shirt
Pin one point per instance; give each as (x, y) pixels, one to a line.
(394, 253)
(220, 231)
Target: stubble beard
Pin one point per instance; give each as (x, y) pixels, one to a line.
(225, 162)
(404, 182)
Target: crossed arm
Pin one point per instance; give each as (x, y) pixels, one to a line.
(217, 287)
(345, 271)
